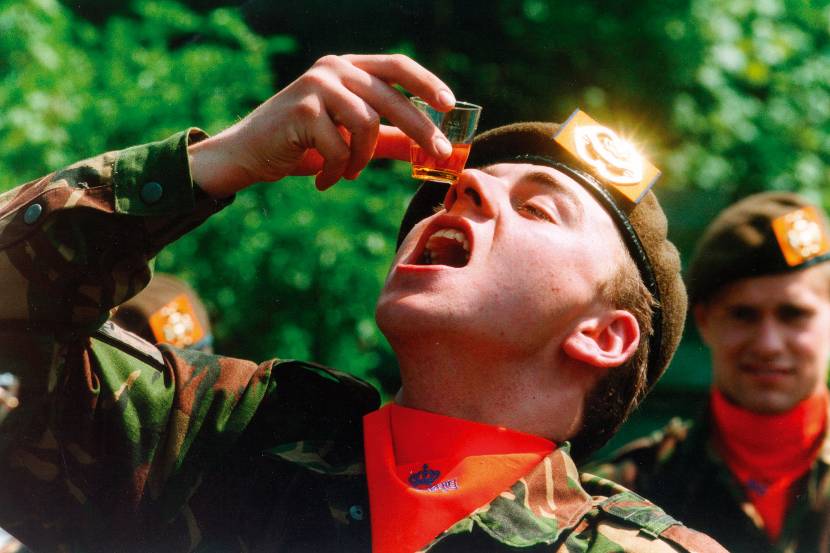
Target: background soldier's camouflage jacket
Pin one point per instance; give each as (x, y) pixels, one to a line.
(679, 468)
(119, 446)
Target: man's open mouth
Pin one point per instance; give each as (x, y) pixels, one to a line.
(446, 246)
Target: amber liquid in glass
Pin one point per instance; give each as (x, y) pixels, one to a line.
(426, 167)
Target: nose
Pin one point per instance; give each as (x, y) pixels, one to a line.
(769, 339)
(476, 191)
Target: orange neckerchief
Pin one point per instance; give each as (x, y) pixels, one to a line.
(426, 472)
(768, 453)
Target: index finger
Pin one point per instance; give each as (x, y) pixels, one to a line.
(399, 69)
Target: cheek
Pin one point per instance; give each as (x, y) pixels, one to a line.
(412, 237)
(564, 255)
(812, 345)
(729, 340)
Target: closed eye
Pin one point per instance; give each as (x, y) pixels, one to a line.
(534, 211)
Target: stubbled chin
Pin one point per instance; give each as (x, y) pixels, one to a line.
(771, 402)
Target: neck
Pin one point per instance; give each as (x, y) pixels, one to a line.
(770, 440)
(485, 384)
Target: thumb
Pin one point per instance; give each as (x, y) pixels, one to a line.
(392, 144)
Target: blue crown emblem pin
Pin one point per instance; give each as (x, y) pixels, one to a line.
(424, 478)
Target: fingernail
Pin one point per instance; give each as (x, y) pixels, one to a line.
(446, 97)
(443, 146)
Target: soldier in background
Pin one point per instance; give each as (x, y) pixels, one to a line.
(752, 470)
(167, 311)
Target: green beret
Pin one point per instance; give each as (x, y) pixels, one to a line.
(168, 311)
(742, 242)
(643, 226)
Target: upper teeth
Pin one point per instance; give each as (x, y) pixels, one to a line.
(452, 234)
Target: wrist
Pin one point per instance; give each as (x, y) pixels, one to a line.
(214, 167)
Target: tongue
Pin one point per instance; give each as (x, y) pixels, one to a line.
(446, 251)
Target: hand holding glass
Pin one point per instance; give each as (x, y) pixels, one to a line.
(458, 125)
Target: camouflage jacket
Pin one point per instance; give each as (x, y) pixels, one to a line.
(117, 445)
(680, 469)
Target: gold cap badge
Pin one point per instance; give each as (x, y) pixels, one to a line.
(176, 323)
(801, 235)
(612, 159)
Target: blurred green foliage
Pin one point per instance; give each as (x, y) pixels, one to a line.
(757, 114)
(292, 273)
(69, 89)
(728, 97)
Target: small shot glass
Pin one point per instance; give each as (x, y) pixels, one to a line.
(459, 126)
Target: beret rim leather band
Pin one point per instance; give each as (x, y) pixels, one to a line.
(704, 296)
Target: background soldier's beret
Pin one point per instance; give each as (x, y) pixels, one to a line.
(643, 226)
(167, 311)
(762, 234)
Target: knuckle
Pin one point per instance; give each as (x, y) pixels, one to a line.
(329, 60)
(313, 79)
(399, 61)
(368, 122)
(308, 108)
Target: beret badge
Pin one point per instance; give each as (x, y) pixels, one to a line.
(609, 157)
(176, 323)
(613, 158)
(800, 235)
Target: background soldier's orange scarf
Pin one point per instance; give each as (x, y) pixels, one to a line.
(427, 472)
(768, 453)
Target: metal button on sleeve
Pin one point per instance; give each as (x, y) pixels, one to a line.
(32, 213)
(151, 192)
(356, 512)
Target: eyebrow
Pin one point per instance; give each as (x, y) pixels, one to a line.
(559, 189)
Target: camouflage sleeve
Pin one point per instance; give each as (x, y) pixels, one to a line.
(78, 242)
(110, 435)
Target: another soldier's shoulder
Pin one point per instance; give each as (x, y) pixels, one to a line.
(642, 456)
(662, 442)
(636, 524)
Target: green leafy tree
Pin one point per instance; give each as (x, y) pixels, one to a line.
(756, 114)
(70, 89)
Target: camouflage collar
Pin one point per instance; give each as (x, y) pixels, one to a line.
(538, 508)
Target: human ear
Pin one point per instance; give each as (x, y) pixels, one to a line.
(701, 315)
(605, 341)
